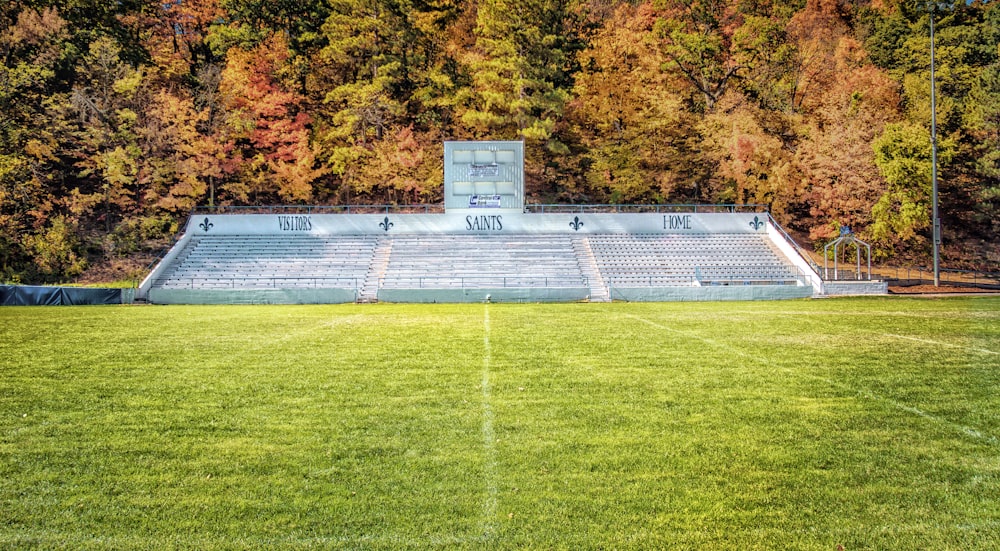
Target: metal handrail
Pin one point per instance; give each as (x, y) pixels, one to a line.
(317, 281)
(699, 276)
(541, 208)
(325, 209)
(482, 281)
(438, 207)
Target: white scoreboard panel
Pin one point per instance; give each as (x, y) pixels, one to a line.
(484, 175)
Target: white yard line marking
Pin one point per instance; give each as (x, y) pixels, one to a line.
(920, 413)
(366, 541)
(968, 431)
(731, 349)
(489, 436)
(939, 343)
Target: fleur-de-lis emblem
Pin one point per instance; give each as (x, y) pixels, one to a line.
(757, 223)
(576, 224)
(385, 224)
(206, 225)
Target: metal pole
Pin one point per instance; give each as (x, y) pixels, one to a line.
(868, 247)
(935, 219)
(836, 258)
(857, 254)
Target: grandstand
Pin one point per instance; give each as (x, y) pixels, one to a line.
(486, 246)
(463, 257)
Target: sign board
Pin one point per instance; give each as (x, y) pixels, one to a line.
(484, 202)
(480, 220)
(491, 170)
(488, 174)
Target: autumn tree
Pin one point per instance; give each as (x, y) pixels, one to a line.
(751, 162)
(902, 212)
(248, 23)
(178, 39)
(982, 119)
(845, 101)
(404, 169)
(637, 133)
(517, 87)
(117, 118)
(514, 72)
(107, 100)
(966, 50)
(967, 56)
(817, 32)
(382, 74)
(361, 72)
(267, 123)
(33, 48)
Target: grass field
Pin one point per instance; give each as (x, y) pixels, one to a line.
(861, 423)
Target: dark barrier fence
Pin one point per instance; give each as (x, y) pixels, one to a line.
(906, 277)
(20, 295)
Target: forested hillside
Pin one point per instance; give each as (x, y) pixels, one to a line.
(117, 118)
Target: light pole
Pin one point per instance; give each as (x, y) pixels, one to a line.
(935, 219)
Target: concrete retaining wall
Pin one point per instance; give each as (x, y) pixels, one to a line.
(847, 288)
(711, 293)
(508, 294)
(252, 296)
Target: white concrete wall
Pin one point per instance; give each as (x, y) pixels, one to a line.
(848, 288)
(475, 221)
(710, 293)
(792, 254)
(500, 294)
(252, 296)
(142, 293)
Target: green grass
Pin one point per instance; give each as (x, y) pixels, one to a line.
(865, 423)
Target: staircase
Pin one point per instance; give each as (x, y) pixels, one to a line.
(380, 261)
(588, 266)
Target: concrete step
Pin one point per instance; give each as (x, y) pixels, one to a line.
(588, 265)
(376, 270)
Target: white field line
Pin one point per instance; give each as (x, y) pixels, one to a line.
(968, 431)
(27, 538)
(729, 349)
(920, 413)
(489, 436)
(939, 343)
(259, 344)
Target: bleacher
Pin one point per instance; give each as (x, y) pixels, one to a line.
(637, 260)
(270, 262)
(448, 261)
(507, 257)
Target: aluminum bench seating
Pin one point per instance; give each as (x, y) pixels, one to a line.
(653, 260)
(482, 262)
(256, 262)
(474, 261)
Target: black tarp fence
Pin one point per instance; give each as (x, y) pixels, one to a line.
(27, 295)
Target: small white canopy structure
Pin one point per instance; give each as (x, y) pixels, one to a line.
(846, 239)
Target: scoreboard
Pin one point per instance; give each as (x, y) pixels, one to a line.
(484, 175)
